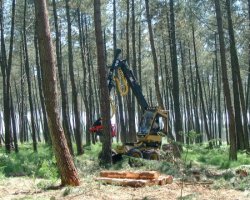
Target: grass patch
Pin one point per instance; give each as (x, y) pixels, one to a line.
(218, 157)
(28, 163)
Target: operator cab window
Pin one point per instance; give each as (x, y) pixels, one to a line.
(145, 123)
(155, 125)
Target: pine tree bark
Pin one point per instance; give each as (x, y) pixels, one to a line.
(64, 160)
(178, 122)
(130, 134)
(239, 99)
(78, 135)
(46, 133)
(183, 64)
(201, 92)
(152, 44)
(104, 98)
(134, 69)
(27, 72)
(194, 98)
(83, 59)
(218, 80)
(248, 79)
(63, 86)
(119, 98)
(6, 70)
(13, 120)
(232, 128)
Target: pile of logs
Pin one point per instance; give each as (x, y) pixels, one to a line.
(134, 179)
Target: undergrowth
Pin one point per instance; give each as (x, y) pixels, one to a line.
(41, 164)
(217, 157)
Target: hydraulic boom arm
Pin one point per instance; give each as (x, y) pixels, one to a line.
(128, 74)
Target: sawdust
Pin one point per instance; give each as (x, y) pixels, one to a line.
(28, 188)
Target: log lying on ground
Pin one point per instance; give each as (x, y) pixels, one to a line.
(164, 179)
(130, 175)
(134, 179)
(126, 181)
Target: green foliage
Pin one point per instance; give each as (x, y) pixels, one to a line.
(46, 171)
(27, 163)
(217, 157)
(47, 184)
(88, 164)
(92, 152)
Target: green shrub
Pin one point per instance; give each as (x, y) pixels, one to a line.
(225, 164)
(28, 163)
(47, 170)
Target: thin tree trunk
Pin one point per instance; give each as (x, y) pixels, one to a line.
(248, 79)
(63, 86)
(183, 61)
(27, 70)
(6, 70)
(201, 93)
(77, 130)
(152, 44)
(83, 59)
(120, 104)
(232, 129)
(218, 79)
(129, 136)
(178, 122)
(134, 68)
(13, 124)
(104, 98)
(195, 102)
(239, 99)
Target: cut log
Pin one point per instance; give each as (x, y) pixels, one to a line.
(130, 175)
(163, 180)
(127, 182)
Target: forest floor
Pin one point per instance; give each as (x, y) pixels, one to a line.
(29, 175)
(28, 188)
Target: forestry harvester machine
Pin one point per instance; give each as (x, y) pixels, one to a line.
(153, 124)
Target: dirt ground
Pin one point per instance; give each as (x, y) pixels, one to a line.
(28, 188)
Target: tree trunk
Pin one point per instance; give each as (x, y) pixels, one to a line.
(64, 160)
(77, 130)
(218, 79)
(239, 99)
(120, 104)
(83, 59)
(104, 97)
(183, 64)
(134, 69)
(46, 133)
(130, 136)
(201, 93)
(63, 86)
(27, 70)
(13, 124)
(248, 79)
(194, 98)
(152, 44)
(232, 134)
(6, 69)
(178, 122)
